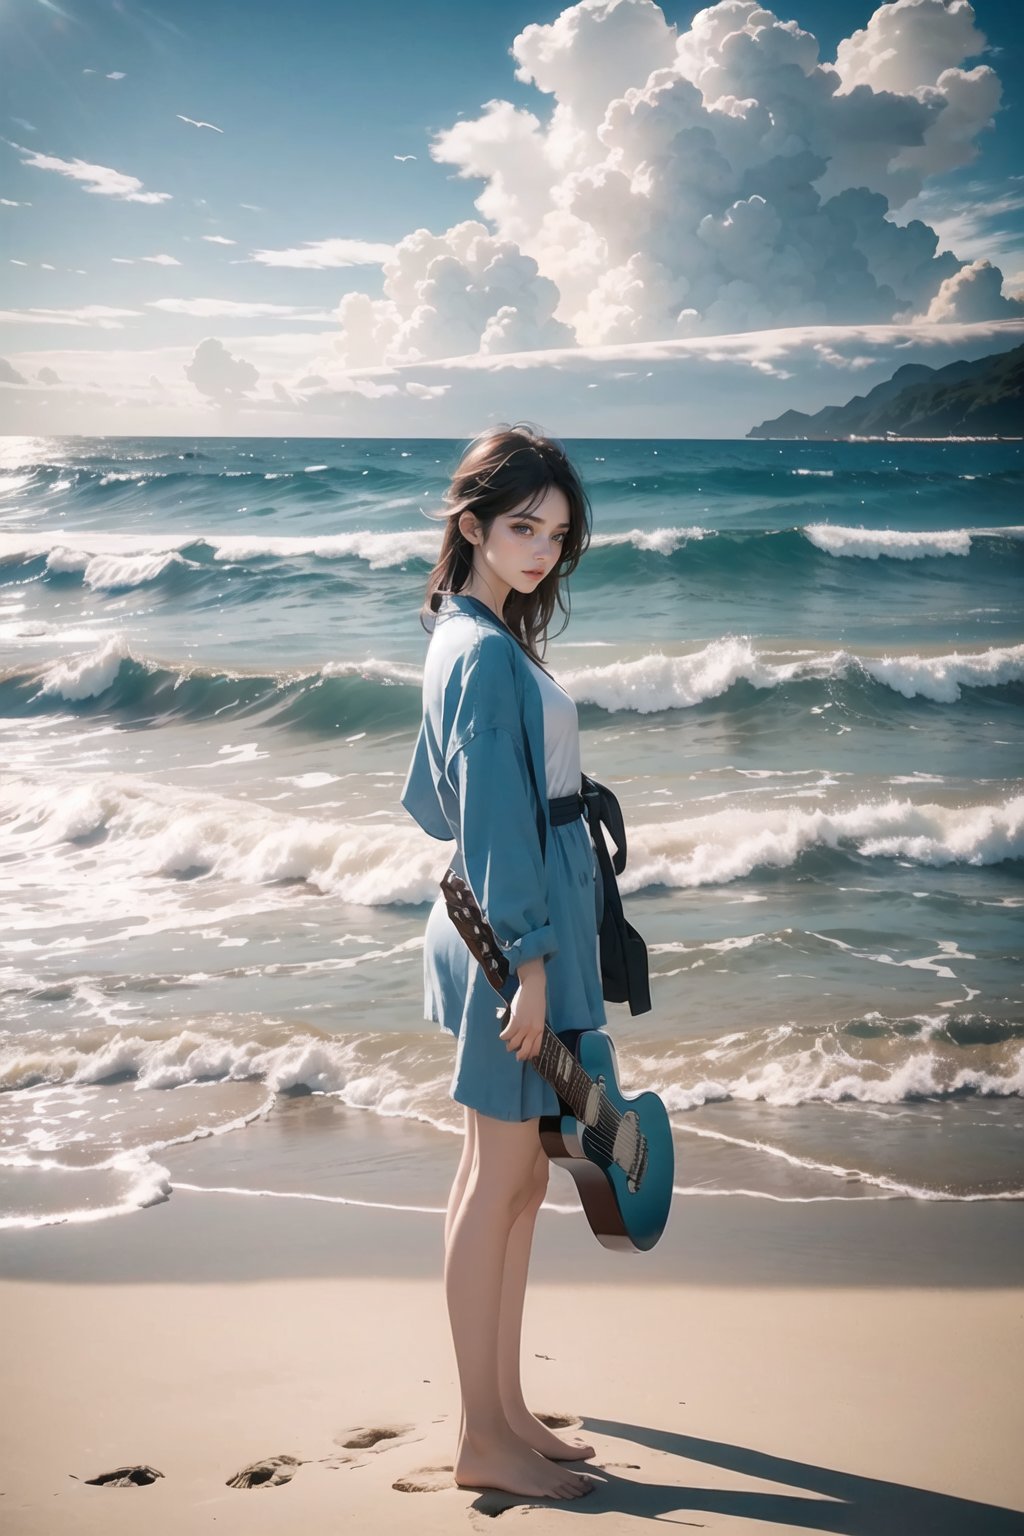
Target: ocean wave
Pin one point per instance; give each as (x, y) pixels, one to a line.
(108, 561)
(659, 682)
(900, 544)
(732, 843)
(781, 1066)
(135, 824)
(365, 1067)
(135, 1182)
(374, 693)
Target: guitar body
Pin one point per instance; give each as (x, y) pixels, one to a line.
(625, 1180)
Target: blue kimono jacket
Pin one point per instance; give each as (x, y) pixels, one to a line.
(470, 782)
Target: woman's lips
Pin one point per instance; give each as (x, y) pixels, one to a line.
(533, 573)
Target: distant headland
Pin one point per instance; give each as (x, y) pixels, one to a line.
(969, 401)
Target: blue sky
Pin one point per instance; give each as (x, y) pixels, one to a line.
(141, 316)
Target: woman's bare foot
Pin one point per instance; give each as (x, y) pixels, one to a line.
(515, 1468)
(537, 1435)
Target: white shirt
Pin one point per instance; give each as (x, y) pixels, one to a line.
(561, 735)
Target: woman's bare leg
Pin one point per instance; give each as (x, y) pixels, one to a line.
(462, 1172)
(500, 1185)
(513, 1294)
(458, 1189)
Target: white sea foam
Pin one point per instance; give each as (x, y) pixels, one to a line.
(139, 476)
(108, 573)
(161, 829)
(941, 677)
(144, 1183)
(86, 677)
(379, 550)
(658, 681)
(91, 674)
(650, 683)
(732, 843)
(384, 550)
(872, 543)
(154, 829)
(364, 1071)
(810, 1077)
(660, 541)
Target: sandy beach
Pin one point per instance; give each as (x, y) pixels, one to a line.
(745, 1399)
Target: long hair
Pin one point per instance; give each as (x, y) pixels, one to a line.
(501, 469)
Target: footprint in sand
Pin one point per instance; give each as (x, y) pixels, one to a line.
(268, 1473)
(370, 1439)
(126, 1477)
(425, 1480)
(559, 1420)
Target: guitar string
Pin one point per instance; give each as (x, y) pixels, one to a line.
(603, 1137)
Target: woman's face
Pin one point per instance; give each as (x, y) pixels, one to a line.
(521, 547)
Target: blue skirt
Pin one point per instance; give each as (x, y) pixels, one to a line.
(487, 1076)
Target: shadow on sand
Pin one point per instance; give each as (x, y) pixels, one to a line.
(845, 1502)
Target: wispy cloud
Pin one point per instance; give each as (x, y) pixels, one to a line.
(99, 179)
(218, 240)
(973, 218)
(318, 254)
(234, 309)
(91, 315)
(162, 261)
(10, 202)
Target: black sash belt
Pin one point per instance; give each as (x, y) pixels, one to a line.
(566, 808)
(624, 971)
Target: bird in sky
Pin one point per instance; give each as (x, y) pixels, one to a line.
(403, 157)
(196, 124)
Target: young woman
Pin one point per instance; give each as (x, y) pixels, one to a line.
(497, 768)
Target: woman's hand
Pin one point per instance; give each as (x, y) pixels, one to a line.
(524, 1030)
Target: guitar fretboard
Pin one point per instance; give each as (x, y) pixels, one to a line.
(558, 1066)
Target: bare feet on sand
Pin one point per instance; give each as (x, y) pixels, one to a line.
(537, 1435)
(515, 1468)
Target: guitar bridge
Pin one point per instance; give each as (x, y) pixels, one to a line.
(630, 1150)
(635, 1176)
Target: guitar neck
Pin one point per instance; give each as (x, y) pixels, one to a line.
(558, 1066)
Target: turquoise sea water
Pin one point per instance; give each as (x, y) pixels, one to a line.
(800, 665)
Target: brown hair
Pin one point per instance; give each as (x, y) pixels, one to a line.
(502, 468)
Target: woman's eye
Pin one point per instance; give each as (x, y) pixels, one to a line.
(526, 528)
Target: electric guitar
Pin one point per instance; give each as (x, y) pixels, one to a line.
(618, 1150)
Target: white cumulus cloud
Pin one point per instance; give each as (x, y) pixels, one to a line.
(973, 293)
(717, 179)
(218, 375)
